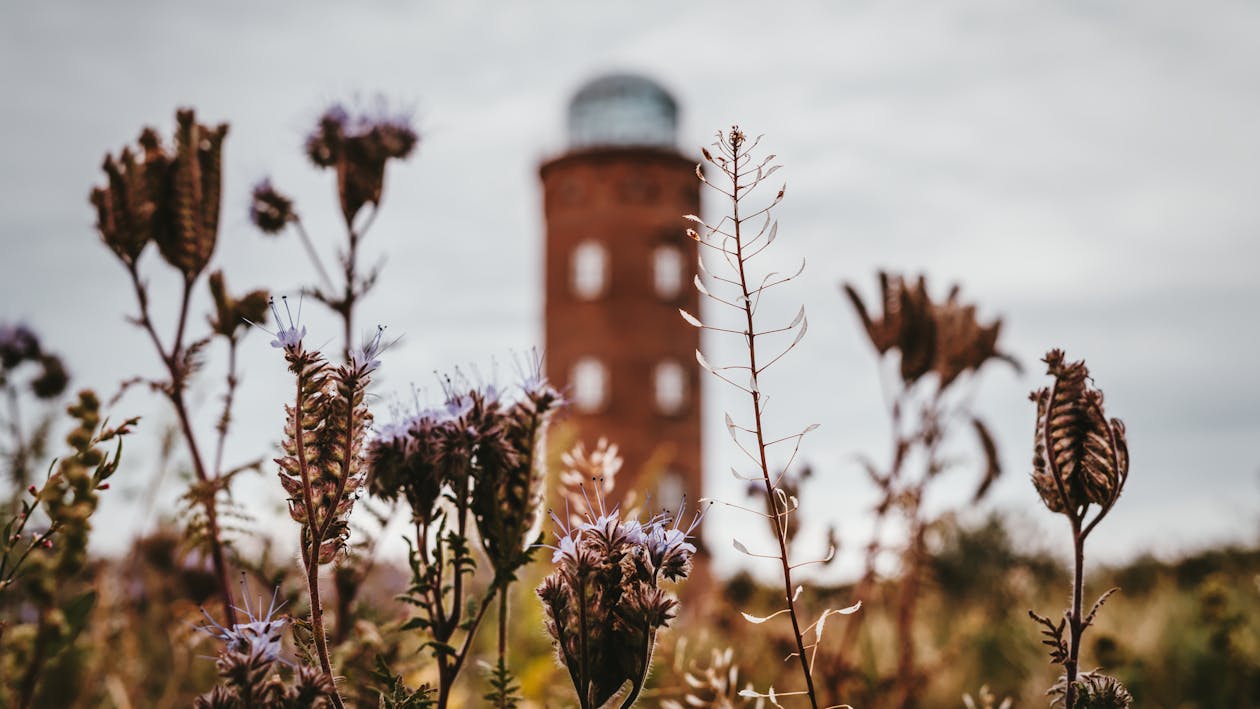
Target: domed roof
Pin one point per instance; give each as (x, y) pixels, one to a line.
(622, 110)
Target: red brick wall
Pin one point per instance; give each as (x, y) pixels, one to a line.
(630, 200)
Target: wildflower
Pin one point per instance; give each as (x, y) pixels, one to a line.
(668, 548)
(262, 636)
(364, 359)
(288, 338)
(604, 603)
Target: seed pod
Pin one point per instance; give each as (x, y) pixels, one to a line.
(1080, 458)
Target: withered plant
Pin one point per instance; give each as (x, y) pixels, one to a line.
(357, 148)
(1080, 465)
(736, 239)
(323, 467)
(473, 463)
(935, 351)
(169, 196)
(714, 685)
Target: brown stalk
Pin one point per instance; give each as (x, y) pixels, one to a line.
(175, 394)
(312, 555)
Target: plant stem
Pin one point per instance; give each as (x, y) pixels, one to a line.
(311, 554)
(312, 253)
(1078, 589)
(317, 621)
(503, 614)
(175, 395)
(780, 526)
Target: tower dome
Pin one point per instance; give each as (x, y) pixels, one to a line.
(622, 110)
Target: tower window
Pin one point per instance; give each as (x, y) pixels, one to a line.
(589, 380)
(667, 271)
(670, 386)
(590, 270)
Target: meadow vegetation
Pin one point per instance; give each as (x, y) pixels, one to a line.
(508, 520)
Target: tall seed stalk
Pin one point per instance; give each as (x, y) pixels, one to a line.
(738, 239)
(1080, 461)
(323, 466)
(171, 198)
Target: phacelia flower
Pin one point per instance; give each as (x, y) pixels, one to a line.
(262, 636)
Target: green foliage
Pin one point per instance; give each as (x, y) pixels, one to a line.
(504, 692)
(393, 693)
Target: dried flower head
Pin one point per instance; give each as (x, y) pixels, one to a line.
(1093, 690)
(1080, 457)
(945, 338)
(18, 344)
(715, 685)
(231, 314)
(269, 209)
(168, 197)
(359, 146)
(598, 467)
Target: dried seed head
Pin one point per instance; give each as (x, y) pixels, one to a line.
(1080, 458)
(944, 338)
(18, 344)
(359, 147)
(232, 314)
(170, 198)
(269, 209)
(52, 379)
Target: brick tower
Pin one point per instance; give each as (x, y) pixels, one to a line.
(618, 267)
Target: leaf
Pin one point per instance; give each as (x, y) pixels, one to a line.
(809, 428)
(693, 218)
(993, 467)
(739, 547)
(700, 287)
(703, 362)
(800, 334)
(691, 319)
(800, 315)
(1089, 619)
(758, 620)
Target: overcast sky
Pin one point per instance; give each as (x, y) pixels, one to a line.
(1087, 171)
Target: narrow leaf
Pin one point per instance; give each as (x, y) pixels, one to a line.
(759, 619)
(691, 319)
